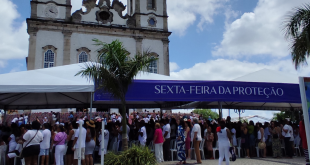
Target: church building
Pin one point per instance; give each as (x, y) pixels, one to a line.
(58, 36)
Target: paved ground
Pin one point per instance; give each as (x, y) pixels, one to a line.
(244, 161)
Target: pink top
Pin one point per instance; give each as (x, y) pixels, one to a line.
(60, 138)
(159, 134)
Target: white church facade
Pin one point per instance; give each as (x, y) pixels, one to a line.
(57, 37)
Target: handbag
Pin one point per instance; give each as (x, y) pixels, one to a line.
(21, 152)
(53, 150)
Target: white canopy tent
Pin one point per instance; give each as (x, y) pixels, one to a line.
(271, 76)
(58, 87)
(51, 88)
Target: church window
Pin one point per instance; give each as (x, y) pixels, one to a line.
(49, 58)
(83, 54)
(153, 66)
(83, 57)
(151, 4)
(152, 21)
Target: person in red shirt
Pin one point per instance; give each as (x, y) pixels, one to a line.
(303, 136)
(158, 143)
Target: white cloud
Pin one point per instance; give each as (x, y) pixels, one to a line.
(258, 32)
(2, 64)
(14, 40)
(173, 66)
(183, 13)
(223, 69)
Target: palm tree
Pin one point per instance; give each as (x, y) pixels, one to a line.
(297, 29)
(114, 71)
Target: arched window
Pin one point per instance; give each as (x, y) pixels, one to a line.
(153, 66)
(151, 5)
(83, 54)
(83, 57)
(49, 59)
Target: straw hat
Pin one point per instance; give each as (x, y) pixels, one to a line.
(91, 123)
(261, 145)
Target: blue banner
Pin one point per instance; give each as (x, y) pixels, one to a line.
(155, 90)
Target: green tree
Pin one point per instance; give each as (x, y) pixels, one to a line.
(292, 115)
(206, 113)
(297, 30)
(114, 71)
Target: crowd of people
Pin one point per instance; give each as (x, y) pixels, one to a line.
(57, 142)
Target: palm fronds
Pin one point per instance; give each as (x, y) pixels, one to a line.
(297, 29)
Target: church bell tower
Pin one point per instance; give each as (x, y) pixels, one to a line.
(59, 36)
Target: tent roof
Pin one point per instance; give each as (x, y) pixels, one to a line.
(56, 79)
(271, 76)
(58, 87)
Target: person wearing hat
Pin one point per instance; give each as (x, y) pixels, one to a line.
(90, 141)
(76, 145)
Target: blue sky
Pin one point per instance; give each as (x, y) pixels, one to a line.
(211, 39)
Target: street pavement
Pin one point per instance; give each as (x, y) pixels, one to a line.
(244, 161)
(254, 161)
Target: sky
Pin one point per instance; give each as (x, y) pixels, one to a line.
(211, 39)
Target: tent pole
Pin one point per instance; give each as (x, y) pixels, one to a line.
(220, 110)
(102, 143)
(4, 118)
(91, 105)
(79, 142)
(161, 114)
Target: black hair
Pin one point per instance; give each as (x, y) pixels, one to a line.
(189, 124)
(15, 130)
(173, 121)
(36, 125)
(47, 126)
(61, 127)
(251, 123)
(182, 123)
(260, 125)
(28, 126)
(74, 124)
(222, 124)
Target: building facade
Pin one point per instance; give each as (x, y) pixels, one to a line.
(58, 37)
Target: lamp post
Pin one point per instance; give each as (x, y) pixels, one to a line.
(239, 111)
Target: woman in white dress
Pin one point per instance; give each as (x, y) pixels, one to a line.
(260, 136)
(224, 139)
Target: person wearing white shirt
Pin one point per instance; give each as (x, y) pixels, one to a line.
(146, 120)
(15, 120)
(166, 145)
(119, 119)
(224, 137)
(287, 133)
(20, 120)
(113, 116)
(45, 144)
(31, 145)
(26, 119)
(142, 133)
(196, 138)
(76, 144)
